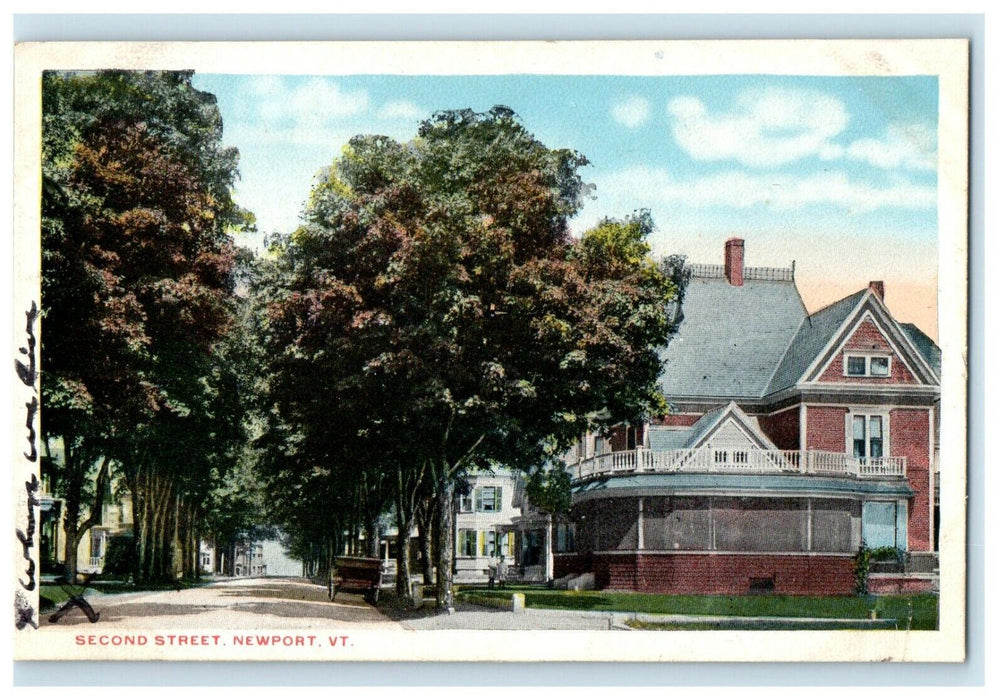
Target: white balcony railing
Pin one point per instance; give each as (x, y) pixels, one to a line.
(743, 461)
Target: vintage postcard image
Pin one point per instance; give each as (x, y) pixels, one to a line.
(621, 351)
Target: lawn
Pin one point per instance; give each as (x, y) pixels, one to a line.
(921, 610)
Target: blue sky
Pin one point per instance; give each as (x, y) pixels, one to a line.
(836, 173)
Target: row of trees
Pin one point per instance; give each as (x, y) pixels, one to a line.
(144, 379)
(434, 316)
(431, 316)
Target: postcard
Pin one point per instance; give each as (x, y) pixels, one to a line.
(526, 351)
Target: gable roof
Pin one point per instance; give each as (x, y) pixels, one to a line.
(669, 439)
(731, 338)
(925, 345)
(666, 439)
(872, 307)
(756, 339)
(814, 334)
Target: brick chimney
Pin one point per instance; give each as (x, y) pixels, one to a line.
(877, 286)
(734, 261)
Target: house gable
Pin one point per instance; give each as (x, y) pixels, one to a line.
(868, 341)
(732, 429)
(731, 436)
(870, 348)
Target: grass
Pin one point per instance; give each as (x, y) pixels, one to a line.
(760, 625)
(922, 609)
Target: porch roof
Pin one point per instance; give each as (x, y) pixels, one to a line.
(744, 484)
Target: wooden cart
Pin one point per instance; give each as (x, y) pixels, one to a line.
(357, 574)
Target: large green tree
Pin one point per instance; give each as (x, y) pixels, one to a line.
(440, 316)
(136, 283)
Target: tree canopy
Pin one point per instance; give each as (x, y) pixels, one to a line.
(437, 314)
(137, 288)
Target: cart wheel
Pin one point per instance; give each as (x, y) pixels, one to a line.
(374, 596)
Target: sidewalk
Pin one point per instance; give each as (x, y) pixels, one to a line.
(472, 616)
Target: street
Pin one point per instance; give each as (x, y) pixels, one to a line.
(258, 603)
(297, 604)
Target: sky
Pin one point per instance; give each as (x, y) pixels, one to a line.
(835, 173)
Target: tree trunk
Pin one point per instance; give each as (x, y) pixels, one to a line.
(73, 528)
(403, 578)
(373, 538)
(71, 541)
(426, 524)
(139, 522)
(196, 553)
(184, 551)
(445, 555)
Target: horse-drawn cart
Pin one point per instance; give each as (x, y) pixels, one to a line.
(357, 574)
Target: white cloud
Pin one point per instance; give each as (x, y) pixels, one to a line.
(741, 190)
(763, 128)
(633, 112)
(265, 85)
(400, 109)
(315, 100)
(315, 112)
(907, 146)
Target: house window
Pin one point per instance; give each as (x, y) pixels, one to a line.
(566, 538)
(489, 499)
(497, 544)
(884, 524)
(867, 436)
(867, 365)
(467, 543)
(465, 501)
(489, 543)
(97, 544)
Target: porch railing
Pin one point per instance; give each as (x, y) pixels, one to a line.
(742, 461)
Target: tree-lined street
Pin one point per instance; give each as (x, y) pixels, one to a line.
(431, 317)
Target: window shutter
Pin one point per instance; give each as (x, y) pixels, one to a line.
(498, 495)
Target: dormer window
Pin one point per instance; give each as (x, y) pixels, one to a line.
(866, 365)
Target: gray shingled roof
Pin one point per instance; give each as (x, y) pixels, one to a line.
(926, 346)
(731, 338)
(706, 422)
(815, 332)
(665, 439)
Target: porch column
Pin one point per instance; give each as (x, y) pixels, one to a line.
(809, 524)
(549, 560)
(642, 541)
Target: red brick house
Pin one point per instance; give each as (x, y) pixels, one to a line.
(794, 439)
